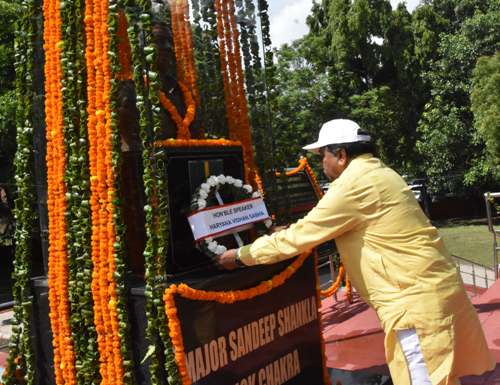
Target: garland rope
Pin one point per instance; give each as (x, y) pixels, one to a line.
(63, 345)
(149, 98)
(107, 277)
(19, 366)
(78, 195)
(234, 89)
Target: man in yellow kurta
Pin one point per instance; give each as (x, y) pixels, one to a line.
(395, 258)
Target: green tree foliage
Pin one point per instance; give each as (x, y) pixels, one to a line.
(454, 156)
(486, 105)
(405, 77)
(303, 102)
(361, 52)
(8, 11)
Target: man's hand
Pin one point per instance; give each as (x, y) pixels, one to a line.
(227, 260)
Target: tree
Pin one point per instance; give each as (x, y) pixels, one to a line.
(303, 101)
(453, 155)
(485, 104)
(8, 12)
(366, 52)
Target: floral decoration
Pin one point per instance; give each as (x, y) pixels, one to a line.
(19, 365)
(110, 316)
(205, 197)
(148, 102)
(62, 341)
(234, 87)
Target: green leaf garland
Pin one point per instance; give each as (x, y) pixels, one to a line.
(77, 180)
(20, 360)
(154, 178)
(116, 161)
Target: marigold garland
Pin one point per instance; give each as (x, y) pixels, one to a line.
(103, 193)
(314, 180)
(64, 356)
(183, 45)
(197, 143)
(77, 179)
(348, 288)
(181, 123)
(234, 83)
(296, 170)
(186, 69)
(335, 285)
(225, 297)
(124, 49)
(170, 142)
(304, 165)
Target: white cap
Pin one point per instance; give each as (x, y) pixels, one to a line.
(338, 131)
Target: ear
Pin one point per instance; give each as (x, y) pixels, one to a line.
(342, 157)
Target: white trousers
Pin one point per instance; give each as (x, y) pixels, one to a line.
(416, 364)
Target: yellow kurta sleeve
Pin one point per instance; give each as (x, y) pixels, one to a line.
(338, 211)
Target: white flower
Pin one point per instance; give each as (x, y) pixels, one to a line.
(238, 183)
(256, 194)
(268, 223)
(229, 179)
(212, 246)
(220, 250)
(202, 203)
(212, 181)
(221, 179)
(205, 187)
(248, 188)
(203, 194)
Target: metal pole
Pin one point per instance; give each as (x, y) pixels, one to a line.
(488, 197)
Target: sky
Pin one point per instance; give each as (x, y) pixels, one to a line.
(288, 18)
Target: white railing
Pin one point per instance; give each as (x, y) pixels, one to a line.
(475, 274)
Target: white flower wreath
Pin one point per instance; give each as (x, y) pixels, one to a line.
(207, 190)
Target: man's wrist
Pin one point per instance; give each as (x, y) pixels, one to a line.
(237, 259)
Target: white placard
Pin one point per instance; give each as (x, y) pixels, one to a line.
(214, 221)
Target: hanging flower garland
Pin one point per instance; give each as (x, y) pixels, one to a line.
(78, 195)
(124, 49)
(225, 297)
(205, 196)
(335, 285)
(186, 69)
(296, 170)
(19, 366)
(107, 279)
(181, 123)
(348, 288)
(63, 345)
(149, 97)
(234, 89)
(183, 45)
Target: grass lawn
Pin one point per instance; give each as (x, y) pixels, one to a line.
(471, 241)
